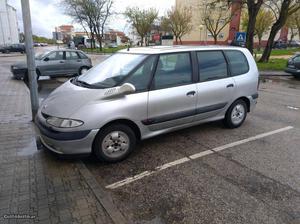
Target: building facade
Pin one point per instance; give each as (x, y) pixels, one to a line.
(9, 32)
(201, 35)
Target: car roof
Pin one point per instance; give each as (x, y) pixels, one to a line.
(176, 48)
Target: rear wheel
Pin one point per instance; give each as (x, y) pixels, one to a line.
(236, 114)
(114, 143)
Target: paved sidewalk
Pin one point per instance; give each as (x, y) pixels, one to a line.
(36, 186)
(274, 73)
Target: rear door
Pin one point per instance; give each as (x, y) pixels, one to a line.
(173, 95)
(73, 62)
(215, 87)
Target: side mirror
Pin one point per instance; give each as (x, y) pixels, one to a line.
(127, 88)
(122, 90)
(46, 59)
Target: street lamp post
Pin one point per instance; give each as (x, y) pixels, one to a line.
(201, 28)
(30, 57)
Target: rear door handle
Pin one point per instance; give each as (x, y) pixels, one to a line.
(61, 62)
(191, 93)
(230, 85)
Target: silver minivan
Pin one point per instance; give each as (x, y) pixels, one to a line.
(139, 93)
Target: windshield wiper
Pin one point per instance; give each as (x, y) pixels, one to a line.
(82, 83)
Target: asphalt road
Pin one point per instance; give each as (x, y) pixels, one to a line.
(253, 180)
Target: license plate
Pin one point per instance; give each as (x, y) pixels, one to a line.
(291, 66)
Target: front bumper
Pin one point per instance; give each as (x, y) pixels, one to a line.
(69, 143)
(18, 73)
(253, 101)
(293, 71)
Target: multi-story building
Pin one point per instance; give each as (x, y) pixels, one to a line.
(201, 35)
(64, 33)
(9, 32)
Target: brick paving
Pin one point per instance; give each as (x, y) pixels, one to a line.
(34, 184)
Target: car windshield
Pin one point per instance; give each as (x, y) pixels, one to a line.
(112, 71)
(41, 55)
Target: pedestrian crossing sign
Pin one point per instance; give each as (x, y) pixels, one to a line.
(240, 37)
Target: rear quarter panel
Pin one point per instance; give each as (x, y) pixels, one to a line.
(247, 83)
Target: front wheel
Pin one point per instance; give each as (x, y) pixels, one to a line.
(114, 143)
(236, 114)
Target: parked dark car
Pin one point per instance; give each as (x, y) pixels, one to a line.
(293, 66)
(56, 63)
(279, 44)
(13, 48)
(294, 43)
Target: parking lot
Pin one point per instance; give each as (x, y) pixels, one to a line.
(210, 174)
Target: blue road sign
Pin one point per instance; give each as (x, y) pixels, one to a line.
(240, 36)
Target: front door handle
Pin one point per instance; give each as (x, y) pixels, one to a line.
(191, 93)
(230, 85)
(61, 62)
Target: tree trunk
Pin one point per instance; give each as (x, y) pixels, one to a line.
(180, 40)
(274, 30)
(259, 43)
(215, 39)
(253, 9)
(176, 40)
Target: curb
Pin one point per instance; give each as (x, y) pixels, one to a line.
(102, 196)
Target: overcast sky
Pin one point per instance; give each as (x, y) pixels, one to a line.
(47, 14)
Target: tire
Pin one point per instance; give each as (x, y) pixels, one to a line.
(38, 74)
(236, 114)
(83, 70)
(108, 143)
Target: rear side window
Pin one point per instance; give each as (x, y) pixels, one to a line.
(82, 55)
(212, 65)
(173, 70)
(238, 62)
(70, 55)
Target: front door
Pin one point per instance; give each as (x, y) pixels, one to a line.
(173, 95)
(53, 64)
(215, 88)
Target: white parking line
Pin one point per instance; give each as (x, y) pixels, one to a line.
(192, 157)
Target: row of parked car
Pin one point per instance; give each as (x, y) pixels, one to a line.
(18, 47)
(13, 48)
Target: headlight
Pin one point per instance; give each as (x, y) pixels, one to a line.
(63, 123)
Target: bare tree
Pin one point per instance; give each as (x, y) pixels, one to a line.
(141, 20)
(282, 9)
(293, 23)
(90, 13)
(179, 21)
(263, 23)
(253, 7)
(81, 11)
(101, 11)
(216, 16)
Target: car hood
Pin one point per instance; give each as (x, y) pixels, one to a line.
(68, 99)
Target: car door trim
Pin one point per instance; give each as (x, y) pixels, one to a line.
(183, 114)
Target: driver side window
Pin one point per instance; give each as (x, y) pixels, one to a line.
(141, 77)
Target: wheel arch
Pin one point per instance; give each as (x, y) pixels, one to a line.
(127, 122)
(246, 100)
